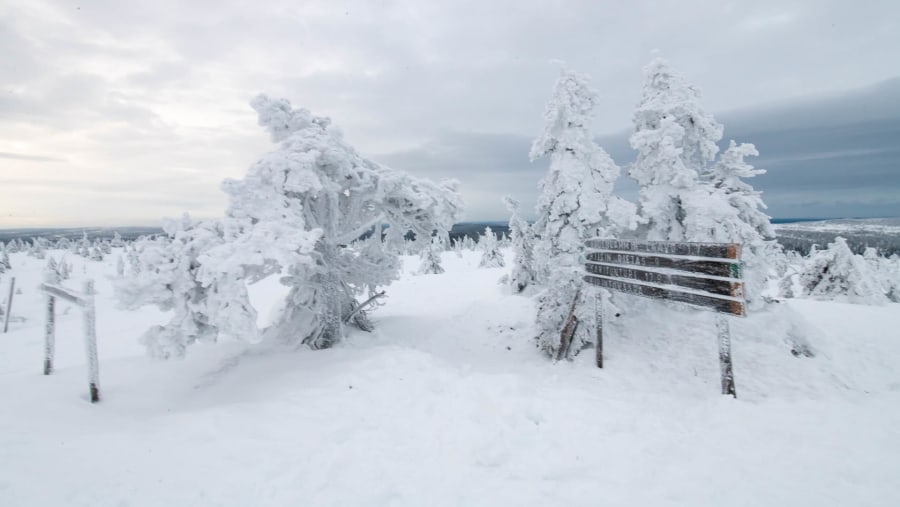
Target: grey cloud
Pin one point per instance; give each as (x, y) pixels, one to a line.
(848, 165)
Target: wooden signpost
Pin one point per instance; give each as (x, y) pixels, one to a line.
(12, 292)
(86, 301)
(707, 275)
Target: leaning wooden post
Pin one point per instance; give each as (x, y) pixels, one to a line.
(725, 355)
(49, 334)
(12, 288)
(90, 341)
(598, 298)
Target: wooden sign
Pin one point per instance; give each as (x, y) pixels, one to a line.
(705, 275)
(701, 274)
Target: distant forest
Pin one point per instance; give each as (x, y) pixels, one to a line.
(799, 236)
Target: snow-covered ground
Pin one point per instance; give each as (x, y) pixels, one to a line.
(449, 403)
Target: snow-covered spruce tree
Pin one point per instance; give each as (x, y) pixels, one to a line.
(96, 254)
(4, 260)
(725, 208)
(522, 239)
(491, 256)
(887, 271)
(51, 271)
(36, 249)
(84, 246)
(575, 203)
(316, 183)
(836, 273)
(134, 262)
(431, 257)
(676, 144)
(64, 268)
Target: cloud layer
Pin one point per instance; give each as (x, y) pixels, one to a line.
(121, 112)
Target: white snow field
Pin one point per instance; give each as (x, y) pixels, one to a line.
(449, 402)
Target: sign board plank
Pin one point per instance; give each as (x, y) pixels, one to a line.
(712, 268)
(713, 250)
(62, 293)
(720, 287)
(714, 303)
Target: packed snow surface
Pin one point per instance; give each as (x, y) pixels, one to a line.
(449, 402)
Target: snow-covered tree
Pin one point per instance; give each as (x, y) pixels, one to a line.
(522, 239)
(51, 271)
(312, 210)
(203, 306)
(117, 240)
(84, 246)
(96, 254)
(576, 203)
(491, 256)
(725, 208)
(64, 269)
(36, 249)
(835, 273)
(676, 144)
(324, 188)
(134, 262)
(431, 257)
(887, 272)
(4, 260)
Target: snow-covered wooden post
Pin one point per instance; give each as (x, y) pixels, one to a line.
(707, 275)
(49, 333)
(598, 298)
(86, 302)
(12, 290)
(725, 355)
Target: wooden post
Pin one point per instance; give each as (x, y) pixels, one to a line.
(599, 320)
(12, 289)
(90, 341)
(49, 334)
(725, 356)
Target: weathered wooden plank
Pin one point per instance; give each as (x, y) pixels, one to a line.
(720, 287)
(715, 303)
(715, 250)
(62, 293)
(713, 268)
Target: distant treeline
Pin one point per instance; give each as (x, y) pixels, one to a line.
(471, 229)
(802, 241)
(126, 233)
(792, 239)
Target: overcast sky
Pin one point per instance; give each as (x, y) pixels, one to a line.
(119, 113)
